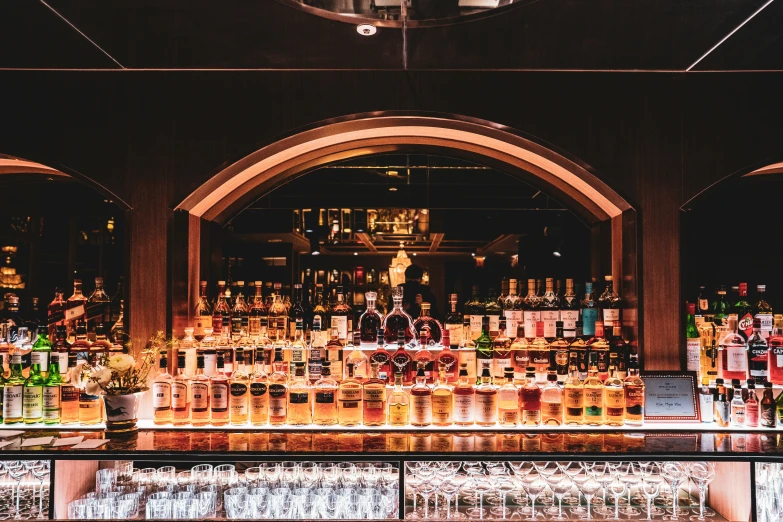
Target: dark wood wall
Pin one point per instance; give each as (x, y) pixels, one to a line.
(153, 137)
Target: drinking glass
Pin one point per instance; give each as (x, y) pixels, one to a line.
(570, 468)
(533, 485)
(651, 486)
(617, 489)
(202, 474)
(206, 500)
(579, 478)
(412, 480)
(16, 471)
(41, 472)
(589, 488)
(675, 474)
(552, 480)
(480, 488)
(630, 478)
(603, 475)
(702, 473)
(560, 490)
(158, 508)
(504, 486)
(546, 468)
(449, 489)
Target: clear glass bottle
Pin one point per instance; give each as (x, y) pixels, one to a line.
(737, 408)
(464, 399)
(569, 309)
(733, 362)
(466, 355)
(574, 396)
(382, 358)
(69, 393)
(161, 393)
(221, 313)
(199, 395)
(531, 313)
(508, 401)
(599, 349)
(550, 309)
(442, 399)
(374, 398)
(219, 393)
(370, 322)
(341, 316)
(530, 399)
(448, 358)
(454, 322)
(316, 354)
(401, 361)
(422, 356)
(512, 310)
(299, 398)
(258, 317)
(99, 309)
(758, 355)
(474, 313)
(349, 400)
(278, 321)
(614, 396)
(706, 402)
(240, 314)
(634, 394)
(427, 326)
(501, 353)
(558, 353)
(610, 303)
(298, 349)
(486, 400)
(202, 314)
(540, 357)
(325, 392)
(398, 320)
(278, 391)
(551, 402)
(180, 397)
(259, 394)
(421, 400)
(399, 403)
(334, 354)
(520, 355)
(356, 357)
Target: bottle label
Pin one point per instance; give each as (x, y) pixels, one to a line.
(745, 326)
(531, 317)
(69, 393)
(611, 315)
(736, 359)
(376, 396)
(456, 331)
(51, 398)
(751, 414)
(349, 394)
(768, 416)
(258, 389)
(475, 326)
(482, 364)
(299, 397)
(210, 364)
(693, 354)
(297, 354)
(569, 318)
(421, 409)
(574, 398)
(513, 319)
(551, 411)
(531, 416)
(441, 408)
(32, 402)
(161, 395)
(550, 318)
(220, 396)
(277, 400)
(759, 358)
(494, 323)
(589, 317)
(179, 395)
(335, 357)
(703, 305)
(486, 407)
(766, 322)
(341, 323)
(777, 359)
(738, 414)
(499, 365)
(41, 359)
(398, 415)
(238, 399)
(593, 402)
(706, 407)
(464, 407)
(199, 396)
(324, 397)
(61, 358)
(615, 398)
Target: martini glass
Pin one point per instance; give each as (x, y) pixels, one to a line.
(589, 488)
(651, 486)
(702, 473)
(675, 474)
(534, 485)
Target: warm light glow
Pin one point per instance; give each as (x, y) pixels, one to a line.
(398, 266)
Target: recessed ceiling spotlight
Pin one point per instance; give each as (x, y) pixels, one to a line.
(356, 253)
(414, 254)
(366, 29)
(392, 189)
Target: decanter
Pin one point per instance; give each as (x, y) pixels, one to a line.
(398, 320)
(369, 322)
(428, 327)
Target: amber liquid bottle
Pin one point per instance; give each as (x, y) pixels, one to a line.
(218, 399)
(374, 398)
(199, 395)
(349, 400)
(161, 393)
(278, 391)
(464, 399)
(180, 403)
(486, 400)
(69, 396)
(421, 400)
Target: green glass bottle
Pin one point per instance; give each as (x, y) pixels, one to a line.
(779, 408)
(2, 384)
(51, 394)
(42, 349)
(692, 340)
(484, 350)
(32, 396)
(12, 392)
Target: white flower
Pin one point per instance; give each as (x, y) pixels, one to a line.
(102, 376)
(121, 362)
(92, 388)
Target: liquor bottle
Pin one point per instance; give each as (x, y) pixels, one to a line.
(722, 411)
(448, 358)
(706, 401)
(118, 334)
(574, 395)
(474, 313)
(551, 402)
(277, 328)
(356, 357)
(98, 309)
(512, 310)
(297, 311)
(51, 394)
(60, 349)
(709, 356)
(598, 348)
(298, 349)
(464, 399)
(589, 311)
(530, 399)
(508, 406)
(501, 353)
(32, 396)
(221, 314)
(609, 302)
(737, 409)
(594, 397)
(76, 307)
(442, 400)
(634, 394)
(569, 308)
(202, 315)
(320, 310)
(550, 310)
(374, 398)
(69, 393)
(428, 326)
(397, 320)
(278, 391)
(454, 322)
(239, 391)
(382, 357)
(734, 357)
(752, 406)
(299, 403)
(558, 353)
(90, 409)
(520, 355)
(539, 353)
(744, 312)
(531, 313)
(692, 340)
(370, 321)
(486, 400)
(13, 391)
(758, 355)
(56, 312)
(340, 316)
(161, 393)
(199, 395)
(767, 407)
(400, 359)
(240, 314)
(493, 310)
(702, 306)
(349, 400)
(614, 396)
(720, 307)
(101, 345)
(42, 348)
(180, 399)
(763, 312)
(207, 347)
(467, 355)
(257, 315)
(484, 349)
(398, 403)
(219, 393)
(325, 392)
(259, 394)
(334, 353)
(779, 407)
(775, 343)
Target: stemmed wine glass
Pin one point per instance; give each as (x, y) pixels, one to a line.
(17, 470)
(449, 488)
(651, 486)
(589, 488)
(675, 474)
(579, 479)
(702, 473)
(545, 469)
(630, 477)
(560, 490)
(617, 489)
(604, 477)
(533, 485)
(40, 471)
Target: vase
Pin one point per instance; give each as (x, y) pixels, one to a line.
(122, 412)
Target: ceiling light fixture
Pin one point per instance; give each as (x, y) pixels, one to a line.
(392, 189)
(366, 29)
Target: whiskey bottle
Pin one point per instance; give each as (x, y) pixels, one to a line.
(61, 349)
(278, 318)
(610, 303)
(297, 311)
(325, 403)
(454, 322)
(752, 406)
(540, 358)
(508, 397)
(448, 359)
(400, 359)
(51, 394)
(240, 314)
(42, 349)
(466, 355)
(382, 357)
(428, 327)
(56, 312)
(775, 342)
(520, 355)
(763, 312)
(550, 310)
(758, 355)
(512, 310)
(398, 403)
(278, 391)
(334, 354)
(32, 396)
(349, 400)
(421, 400)
(239, 392)
(722, 411)
(221, 314)
(442, 399)
(493, 310)
(558, 353)
(634, 394)
(569, 309)
(356, 357)
(199, 395)
(530, 399)
(340, 316)
(706, 402)
(259, 394)
(422, 357)
(374, 398)
(692, 340)
(574, 396)
(474, 314)
(593, 397)
(598, 349)
(219, 393)
(767, 407)
(501, 354)
(257, 316)
(486, 401)
(13, 391)
(180, 398)
(161, 393)
(299, 404)
(298, 349)
(202, 314)
(69, 394)
(484, 349)
(589, 311)
(398, 320)
(551, 402)
(614, 396)
(621, 349)
(370, 322)
(90, 409)
(464, 399)
(531, 313)
(98, 309)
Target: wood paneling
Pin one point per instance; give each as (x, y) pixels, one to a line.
(72, 478)
(729, 493)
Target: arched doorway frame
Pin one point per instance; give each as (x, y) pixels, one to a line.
(231, 189)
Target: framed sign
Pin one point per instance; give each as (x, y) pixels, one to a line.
(670, 396)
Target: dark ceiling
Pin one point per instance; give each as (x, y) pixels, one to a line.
(653, 35)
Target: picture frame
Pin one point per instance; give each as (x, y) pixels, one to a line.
(671, 397)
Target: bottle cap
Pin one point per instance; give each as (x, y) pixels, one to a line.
(551, 377)
(530, 369)
(768, 385)
(607, 278)
(200, 362)
(691, 308)
(761, 288)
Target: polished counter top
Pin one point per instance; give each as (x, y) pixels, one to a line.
(230, 445)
